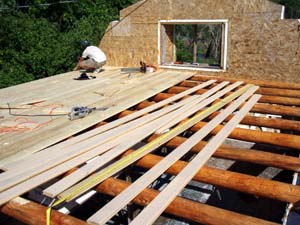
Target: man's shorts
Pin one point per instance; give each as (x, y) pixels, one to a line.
(92, 63)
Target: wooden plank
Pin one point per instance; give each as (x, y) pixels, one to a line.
(135, 137)
(103, 142)
(58, 100)
(158, 205)
(111, 125)
(84, 96)
(63, 128)
(53, 84)
(124, 162)
(43, 177)
(55, 87)
(115, 205)
(192, 110)
(71, 122)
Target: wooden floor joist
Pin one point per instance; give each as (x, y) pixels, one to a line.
(281, 124)
(235, 181)
(33, 213)
(262, 90)
(261, 83)
(277, 110)
(290, 101)
(184, 208)
(279, 139)
(259, 107)
(244, 155)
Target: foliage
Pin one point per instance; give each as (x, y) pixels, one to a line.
(40, 38)
(43, 39)
(208, 40)
(292, 10)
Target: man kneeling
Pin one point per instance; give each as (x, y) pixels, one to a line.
(92, 58)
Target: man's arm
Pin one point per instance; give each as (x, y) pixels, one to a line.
(78, 64)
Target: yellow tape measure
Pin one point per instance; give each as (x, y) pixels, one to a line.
(134, 156)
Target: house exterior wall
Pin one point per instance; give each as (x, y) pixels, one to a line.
(260, 45)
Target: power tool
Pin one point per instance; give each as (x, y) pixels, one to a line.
(78, 112)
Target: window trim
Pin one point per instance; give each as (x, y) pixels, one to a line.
(192, 21)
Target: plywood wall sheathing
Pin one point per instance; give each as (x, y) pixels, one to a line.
(260, 45)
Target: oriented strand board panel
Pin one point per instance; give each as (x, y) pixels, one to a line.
(260, 45)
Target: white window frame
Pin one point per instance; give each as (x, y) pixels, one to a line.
(190, 21)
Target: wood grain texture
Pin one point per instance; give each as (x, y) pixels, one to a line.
(259, 107)
(33, 213)
(104, 214)
(192, 110)
(271, 99)
(101, 129)
(131, 138)
(184, 208)
(232, 180)
(158, 205)
(93, 147)
(124, 162)
(244, 155)
(62, 128)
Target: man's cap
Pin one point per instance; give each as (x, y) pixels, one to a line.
(84, 43)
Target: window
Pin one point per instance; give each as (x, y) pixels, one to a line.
(193, 44)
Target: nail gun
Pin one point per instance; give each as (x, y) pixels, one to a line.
(78, 112)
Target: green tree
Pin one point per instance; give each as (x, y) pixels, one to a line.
(40, 38)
